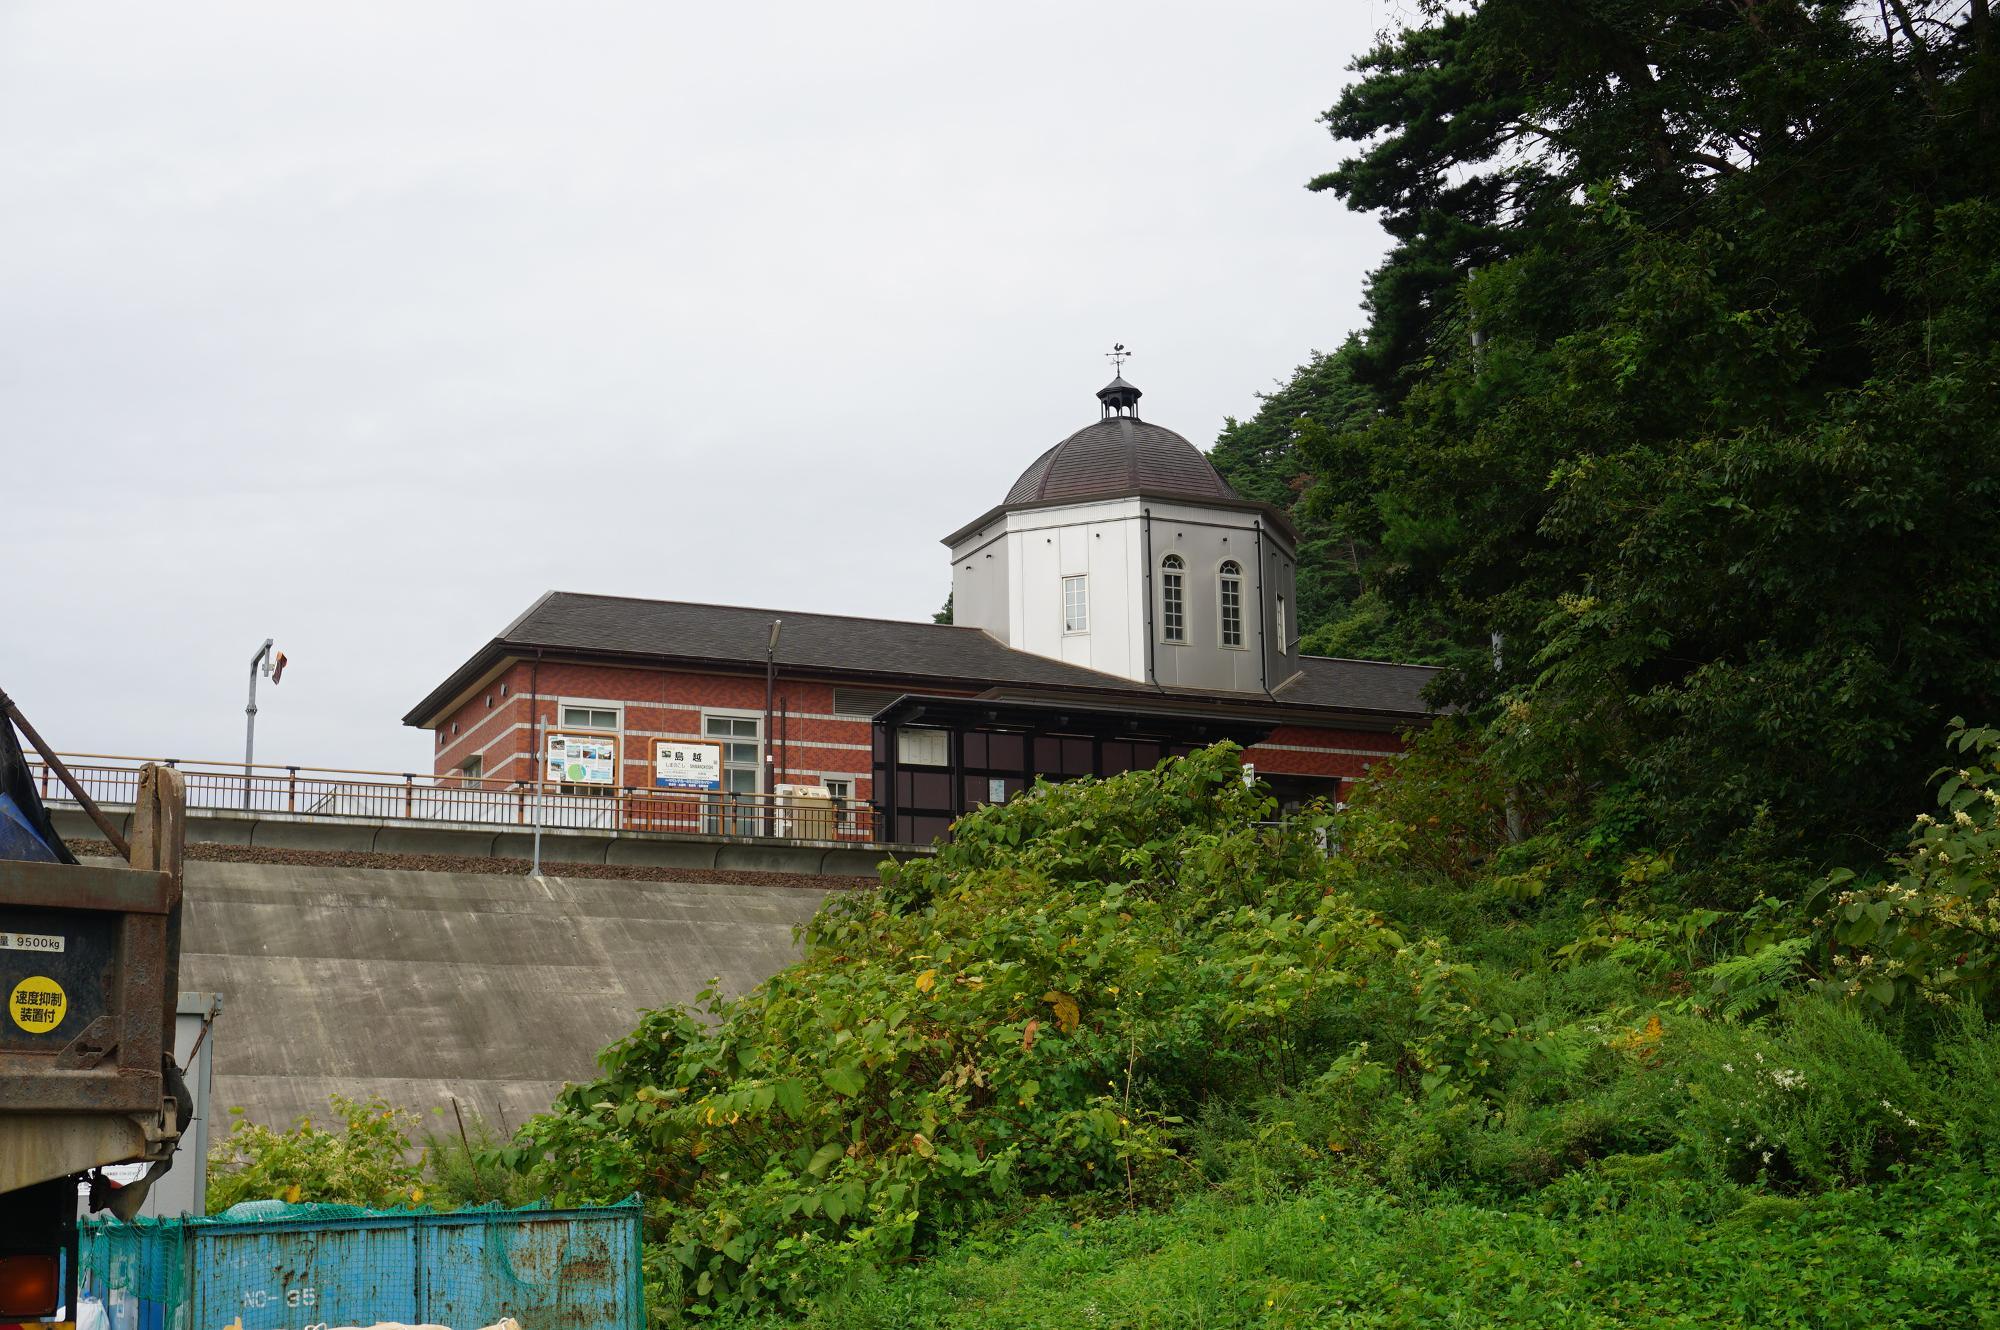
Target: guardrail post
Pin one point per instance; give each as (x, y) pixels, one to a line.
(409, 795)
(292, 790)
(521, 807)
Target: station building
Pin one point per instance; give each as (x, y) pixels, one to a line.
(1119, 605)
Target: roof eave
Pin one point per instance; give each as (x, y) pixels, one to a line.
(1276, 515)
(438, 702)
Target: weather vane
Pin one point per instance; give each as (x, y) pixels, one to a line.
(1118, 355)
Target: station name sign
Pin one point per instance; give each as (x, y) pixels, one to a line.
(679, 764)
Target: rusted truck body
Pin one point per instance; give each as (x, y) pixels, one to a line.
(89, 974)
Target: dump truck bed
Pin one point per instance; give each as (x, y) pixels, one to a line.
(85, 971)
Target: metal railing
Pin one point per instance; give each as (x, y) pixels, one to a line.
(399, 796)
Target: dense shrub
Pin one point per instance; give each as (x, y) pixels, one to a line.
(368, 1160)
(1820, 1097)
(1931, 927)
(1029, 1012)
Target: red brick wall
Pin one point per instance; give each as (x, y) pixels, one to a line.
(810, 744)
(809, 741)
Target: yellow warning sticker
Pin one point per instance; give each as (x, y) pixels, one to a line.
(37, 1004)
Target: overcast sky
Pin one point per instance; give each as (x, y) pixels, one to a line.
(361, 325)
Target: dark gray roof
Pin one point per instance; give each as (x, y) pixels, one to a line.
(1116, 457)
(903, 653)
(737, 633)
(1365, 685)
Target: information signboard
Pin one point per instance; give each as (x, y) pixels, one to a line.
(680, 764)
(582, 759)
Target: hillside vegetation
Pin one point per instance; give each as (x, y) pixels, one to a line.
(1120, 1054)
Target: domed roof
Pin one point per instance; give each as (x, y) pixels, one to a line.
(1116, 457)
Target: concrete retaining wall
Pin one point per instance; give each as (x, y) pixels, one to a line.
(423, 986)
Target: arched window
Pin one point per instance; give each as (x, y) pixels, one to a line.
(1229, 586)
(1173, 599)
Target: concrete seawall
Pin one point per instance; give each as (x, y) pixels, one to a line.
(421, 986)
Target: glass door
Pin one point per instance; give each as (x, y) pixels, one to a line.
(739, 809)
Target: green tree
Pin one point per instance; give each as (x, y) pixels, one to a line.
(1301, 453)
(1687, 352)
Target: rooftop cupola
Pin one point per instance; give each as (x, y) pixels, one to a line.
(1119, 398)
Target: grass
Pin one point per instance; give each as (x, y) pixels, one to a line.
(1918, 1250)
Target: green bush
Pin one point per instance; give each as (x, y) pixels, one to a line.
(1029, 1012)
(1819, 1097)
(369, 1160)
(1931, 929)
(1967, 1076)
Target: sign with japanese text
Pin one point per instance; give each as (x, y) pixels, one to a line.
(583, 759)
(680, 764)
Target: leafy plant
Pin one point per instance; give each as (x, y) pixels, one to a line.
(1032, 1011)
(1931, 929)
(368, 1160)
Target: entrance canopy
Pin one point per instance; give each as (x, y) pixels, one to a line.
(939, 757)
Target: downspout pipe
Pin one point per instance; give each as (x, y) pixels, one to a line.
(1146, 542)
(1263, 616)
(537, 759)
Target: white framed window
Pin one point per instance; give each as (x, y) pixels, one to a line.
(473, 767)
(1076, 604)
(840, 790)
(1229, 591)
(1282, 649)
(589, 718)
(1173, 599)
(742, 752)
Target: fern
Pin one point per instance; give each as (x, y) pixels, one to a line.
(1745, 984)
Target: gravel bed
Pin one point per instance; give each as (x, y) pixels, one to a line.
(452, 863)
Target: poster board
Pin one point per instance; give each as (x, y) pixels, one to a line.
(581, 759)
(685, 764)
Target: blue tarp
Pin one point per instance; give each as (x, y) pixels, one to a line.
(25, 829)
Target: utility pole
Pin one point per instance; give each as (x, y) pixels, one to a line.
(262, 658)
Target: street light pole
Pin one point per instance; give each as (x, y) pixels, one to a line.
(262, 657)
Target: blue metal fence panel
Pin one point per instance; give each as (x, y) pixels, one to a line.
(282, 1276)
(548, 1269)
(571, 1268)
